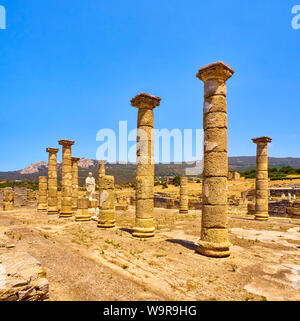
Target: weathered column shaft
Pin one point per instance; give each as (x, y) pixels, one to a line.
(184, 197)
(52, 181)
(262, 184)
(66, 193)
(43, 202)
(8, 199)
(144, 224)
(75, 182)
(101, 175)
(214, 233)
(106, 218)
(82, 213)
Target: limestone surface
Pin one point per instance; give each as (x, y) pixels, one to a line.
(214, 232)
(52, 181)
(106, 218)
(262, 190)
(75, 161)
(67, 179)
(184, 198)
(144, 224)
(22, 277)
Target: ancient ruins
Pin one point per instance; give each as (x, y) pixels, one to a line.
(75, 182)
(107, 200)
(144, 224)
(184, 197)
(67, 179)
(214, 233)
(52, 206)
(176, 237)
(262, 190)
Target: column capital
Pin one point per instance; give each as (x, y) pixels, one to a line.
(262, 140)
(216, 70)
(75, 159)
(145, 101)
(52, 150)
(66, 142)
(101, 162)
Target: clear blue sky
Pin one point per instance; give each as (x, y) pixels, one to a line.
(69, 68)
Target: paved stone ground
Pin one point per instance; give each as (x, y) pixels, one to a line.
(84, 262)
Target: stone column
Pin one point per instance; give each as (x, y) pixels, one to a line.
(82, 213)
(52, 181)
(214, 232)
(107, 206)
(43, 202)
(66, 192)
(8, 199)
(144, 224)
(75, 182)
(184, 197)
(101, 175)
(102, 167)
(262, 188)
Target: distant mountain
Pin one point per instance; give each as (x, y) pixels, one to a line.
(34, 168)
(243, 163)
(126, 173)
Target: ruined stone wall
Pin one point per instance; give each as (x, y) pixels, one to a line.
(278, 208)
(280, 191)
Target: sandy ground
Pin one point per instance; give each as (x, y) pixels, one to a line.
(84, 262)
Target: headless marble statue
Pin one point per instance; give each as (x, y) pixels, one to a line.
(90, 187)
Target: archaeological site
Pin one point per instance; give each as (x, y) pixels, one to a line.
(132, 196)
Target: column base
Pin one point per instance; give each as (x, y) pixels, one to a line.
(52, 212)
(261, 216)
(143, 233)
(83, 218)
(106, 225)
(64, 215)
(42, 208)
(183, 211)
(144, 228)
(217, 250)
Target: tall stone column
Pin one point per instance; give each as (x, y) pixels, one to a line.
(214, 232)
(144, 224)
(52, 181)
(101, 175)
(75, 182)
(106, 218)
(262, 188)
(43, 202)
(184, 197)
(66, 192)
